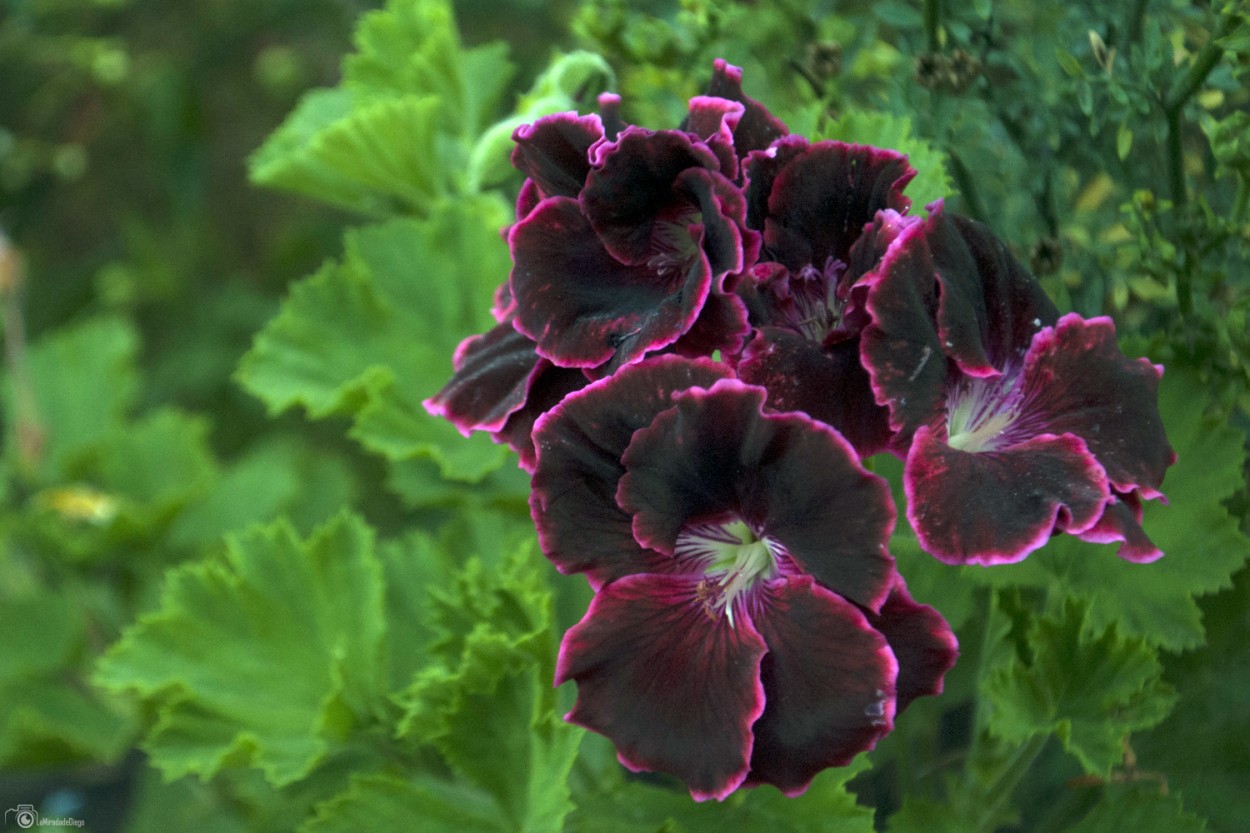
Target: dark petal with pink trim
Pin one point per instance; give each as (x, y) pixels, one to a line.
(1121, 522)
(821, 198)
(721, 325)
(714, 120)
(716, 456)
(585, 308)
(828, 384)
(675, 689)
(579, 446)
(757, 128)
(492, 376)
(630, 198)
(997, 506)
(548, 386)
(554, 151)
(1077, 381)
(830, 681)
(922, 641)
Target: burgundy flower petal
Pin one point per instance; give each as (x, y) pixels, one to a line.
(610, 115)
(946, 287)
(714, 120)
(762, 168)
(757, 128)
(728, 244)
(583, 307)
(828, 384)
(990, 305)
(822, 199)
(922, 641)
(717, 456)
(830, 680)
(528, 198)
(554, 151)
(721, 325)
(492, 376)
(900, 349)
(1077, 381)
(629, 197)
(1121, 521)
(675, 689)
(579, 445)
(548, 386)
(995, 507)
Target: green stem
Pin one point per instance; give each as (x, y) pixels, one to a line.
(1241, 203)
(933, 23)
(1009, 778)
(1180, 93)
(1137, 16)
(967, 188)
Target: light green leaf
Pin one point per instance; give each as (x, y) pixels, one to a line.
(265, 657)
(44, 722)
(379, 158)
(84, 383)
(413, 47)
(387, 802)
(1089, 689)
(372, 337)
(1123, 141)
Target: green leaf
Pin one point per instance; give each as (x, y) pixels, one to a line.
(1139, 809)
(387, 802)
(1123, 141)
(886, 130)
(84, 383)
(372, 337)
(44, 721)
(1201, 747)
(1202, 543)
(1091, 690)
(413, 47)
(265, 657)
(379, 158)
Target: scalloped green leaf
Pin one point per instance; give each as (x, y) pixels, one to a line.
(1139, 809)
(265, 657)
(372, 337)
(84, 384)
(1090, 689)
(388, 802)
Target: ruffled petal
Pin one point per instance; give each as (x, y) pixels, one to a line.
(922, 642)
(1121, 522)
(714, 120)
(721, 325)
(823, 198)
(716, 456)
(1077, 381)
(554, 151)
(830, 682)
(995, 507)
(629, 196)
(757, 128)
(492, 375)
(579, 445)
(548, 386)
(583, 307)
(675, 689)
(828, 384)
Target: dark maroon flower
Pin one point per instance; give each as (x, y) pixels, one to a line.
(814, 204)
(1016, 425)
(626, 267)
(757, 128)
(748, 620)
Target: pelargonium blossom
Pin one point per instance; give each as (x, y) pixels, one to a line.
(1016, 423)
(813, 204)
(748, 625)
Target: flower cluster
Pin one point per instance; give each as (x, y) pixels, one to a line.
(705, 332)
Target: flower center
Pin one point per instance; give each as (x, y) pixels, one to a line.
(980, 411)
(817, 310)
(733, 559)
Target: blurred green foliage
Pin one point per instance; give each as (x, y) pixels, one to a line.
(235, 551)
